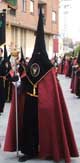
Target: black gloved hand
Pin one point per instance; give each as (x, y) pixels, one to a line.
(15, 78)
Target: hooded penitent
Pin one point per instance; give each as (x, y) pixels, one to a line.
(39, 64)
(44, 126)
(22, 59)
(22, 63)
(2, 91)
(4, 69)
(78, 59)
(77, 77)
(6, 65)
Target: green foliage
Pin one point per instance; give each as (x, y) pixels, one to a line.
(77, 50)
(1, 23)
(12, 2)
(68, 54)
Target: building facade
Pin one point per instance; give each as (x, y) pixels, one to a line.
(65, 25)
(21, 23)
(65, 14)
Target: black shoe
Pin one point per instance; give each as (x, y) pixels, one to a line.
(24, 158)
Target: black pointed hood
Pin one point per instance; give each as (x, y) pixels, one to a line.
(39, 58)
(40, 41)
(22, 63)
(6, 57)
(22, 56)
(6, 65)
(5, 52)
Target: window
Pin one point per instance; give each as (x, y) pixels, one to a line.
(12, 11)
(31, 6)
(53, 16)
(24, 5)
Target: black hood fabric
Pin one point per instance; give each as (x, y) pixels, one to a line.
(5, 64)
(6, 57)
(39, 57)
(22, 59)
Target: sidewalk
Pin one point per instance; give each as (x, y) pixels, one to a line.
(73, 105)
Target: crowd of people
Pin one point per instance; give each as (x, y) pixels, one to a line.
(8, 63)
(70, 67)
(44, 127)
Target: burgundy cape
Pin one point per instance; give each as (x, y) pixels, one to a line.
(73, 84)
(59, 68)
(77, 84)
(66, 67)
(56, 137)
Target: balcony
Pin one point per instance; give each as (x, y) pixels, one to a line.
(42, 2)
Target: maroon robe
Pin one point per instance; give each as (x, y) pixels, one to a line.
(59, 68)
(56, 137)
(77, 83)
(66, 67)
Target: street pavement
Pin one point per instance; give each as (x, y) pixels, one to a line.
(73, 105)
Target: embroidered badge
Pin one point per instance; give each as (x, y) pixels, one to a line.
(35, 70)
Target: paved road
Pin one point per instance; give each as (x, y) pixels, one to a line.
(73, 104)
